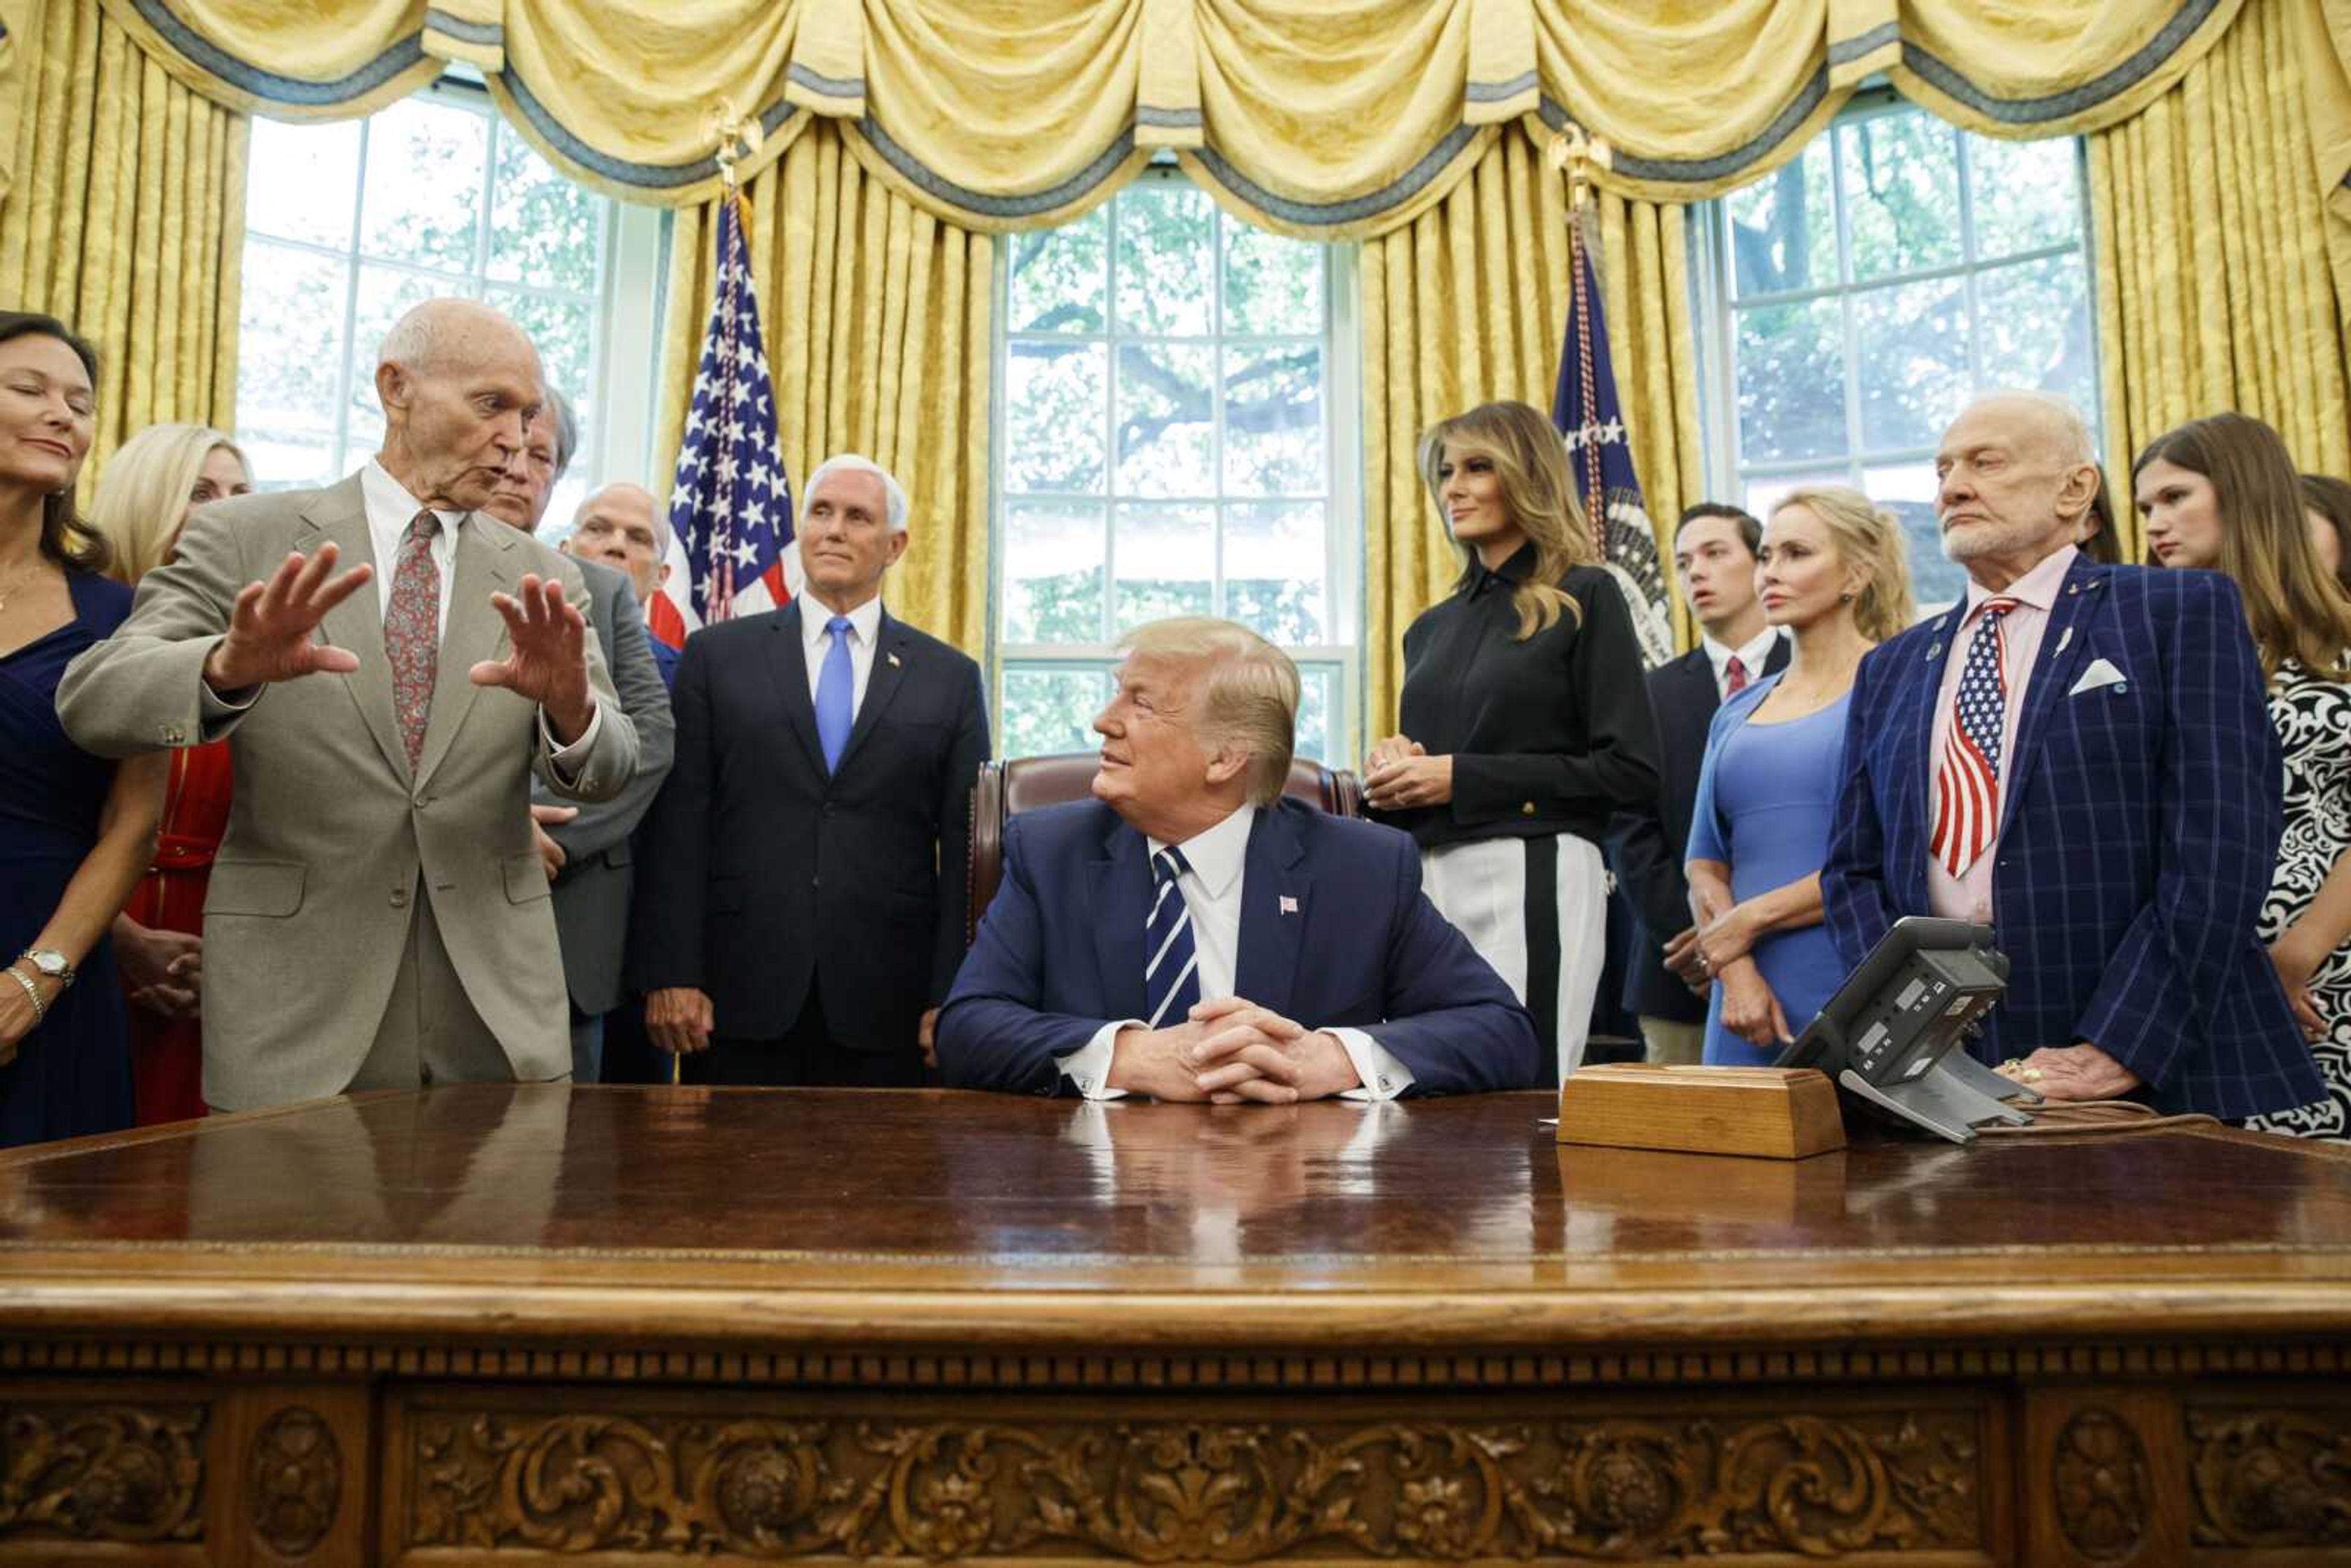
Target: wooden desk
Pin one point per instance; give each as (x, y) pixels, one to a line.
(487, 1324)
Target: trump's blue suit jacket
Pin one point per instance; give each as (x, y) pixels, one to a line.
(1059, 953)
(2139, 829)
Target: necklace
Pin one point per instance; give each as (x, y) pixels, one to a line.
(18, 581)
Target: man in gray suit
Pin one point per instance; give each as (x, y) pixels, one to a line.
(378, 915)
(586, 848)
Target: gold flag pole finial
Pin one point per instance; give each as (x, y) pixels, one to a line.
(736, 137)
(1582, 154)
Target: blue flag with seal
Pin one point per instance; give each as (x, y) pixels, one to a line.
(1591, 422)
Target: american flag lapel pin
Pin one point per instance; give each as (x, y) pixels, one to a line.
(1288, 905)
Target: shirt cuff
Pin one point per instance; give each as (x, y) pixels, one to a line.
(213, 707)
(564, 761)
(1383, 1077)
(1088, 1067)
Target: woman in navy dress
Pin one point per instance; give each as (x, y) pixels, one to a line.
(1832, 569)
(75, 831)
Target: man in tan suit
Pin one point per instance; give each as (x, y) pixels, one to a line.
(378, 914)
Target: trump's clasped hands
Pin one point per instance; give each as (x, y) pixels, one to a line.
(1229, 1050)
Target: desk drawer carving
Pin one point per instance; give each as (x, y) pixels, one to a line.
(2271, 1475)
(819, 1477)
(96, 1470)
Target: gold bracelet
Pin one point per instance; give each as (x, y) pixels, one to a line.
(40, 1008)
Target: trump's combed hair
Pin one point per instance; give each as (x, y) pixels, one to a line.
(1245, 696)
(144, 492)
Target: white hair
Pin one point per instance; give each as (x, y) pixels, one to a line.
(2066, 426)
(850, 463)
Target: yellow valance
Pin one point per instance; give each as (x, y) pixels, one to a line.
(1324, 118)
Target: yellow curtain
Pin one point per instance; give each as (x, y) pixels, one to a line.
(1341, 121)
(124, 216)
(1468, 304)
(2214, 285)
(876, 317)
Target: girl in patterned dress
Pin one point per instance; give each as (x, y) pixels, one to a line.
(2221, 493)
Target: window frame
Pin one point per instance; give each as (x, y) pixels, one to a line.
(1339, 658)
(1718, 307)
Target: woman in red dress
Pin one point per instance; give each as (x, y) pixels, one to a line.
(154, 480)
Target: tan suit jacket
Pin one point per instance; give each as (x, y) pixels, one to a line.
(329, 839)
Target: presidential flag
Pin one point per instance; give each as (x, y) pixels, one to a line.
(1591, 421)
(730, 509)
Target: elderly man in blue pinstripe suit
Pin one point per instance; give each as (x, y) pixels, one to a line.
(2081, 757)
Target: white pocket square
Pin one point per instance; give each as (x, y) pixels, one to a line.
(2101, 673)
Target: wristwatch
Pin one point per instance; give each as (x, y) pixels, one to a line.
(50, 963)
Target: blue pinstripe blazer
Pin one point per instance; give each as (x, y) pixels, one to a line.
(2138, 835)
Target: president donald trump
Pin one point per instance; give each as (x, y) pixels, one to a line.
(1190, 934)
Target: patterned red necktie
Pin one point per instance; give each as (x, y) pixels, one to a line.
(1734, 677)
(412, 632)
(1967, 784)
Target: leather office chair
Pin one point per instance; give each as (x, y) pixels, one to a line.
(1024, 783)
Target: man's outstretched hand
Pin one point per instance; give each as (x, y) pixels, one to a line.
(547, 657)
(270, 629)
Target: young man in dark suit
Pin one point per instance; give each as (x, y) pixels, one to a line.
(1714, 557)
(800, 908)
(1191, 934)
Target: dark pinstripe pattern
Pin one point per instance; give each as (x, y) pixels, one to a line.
(2140, 826)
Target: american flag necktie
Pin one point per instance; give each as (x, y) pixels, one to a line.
(1967, 784)
(412, 632)
(1171, 972)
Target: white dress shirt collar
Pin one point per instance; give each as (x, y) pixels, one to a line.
(1216, 855)
(864, 621)
(387, 498)
(1753, 654)
(390, 509)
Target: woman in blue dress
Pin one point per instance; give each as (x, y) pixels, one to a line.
(75, 831)
(1832, 569)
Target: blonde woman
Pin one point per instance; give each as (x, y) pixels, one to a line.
(156, 479)
(1525, 720)
(1832, 569)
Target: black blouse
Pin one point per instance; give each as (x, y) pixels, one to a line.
(1548, 736)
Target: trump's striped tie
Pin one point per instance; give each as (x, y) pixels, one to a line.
(1967, 784)
(1171, 971)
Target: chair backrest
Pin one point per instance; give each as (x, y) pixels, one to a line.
(1004, 789)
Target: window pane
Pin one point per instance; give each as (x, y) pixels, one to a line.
(1166, 259)
(1053, 417)
(1273, 420)
(565, 334)
(302, 181)
(544, 229)
(289, 330)
(1272, 285)
(1763, 494)
(2027, 195)
(1912, 343)
(1054, 568)
(2037, 329)
(1275, 570)
(1908, 490)
(1902, 194)
(1051, 709)
(385, 294)
(1057, 278)
(425, 170)
(1166, 562)
(1317, 687)
(1791, 371)
(1165, 419)
(1783, 229)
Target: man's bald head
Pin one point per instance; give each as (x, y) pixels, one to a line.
(2017, 471)
(621, 526)
(458, 382)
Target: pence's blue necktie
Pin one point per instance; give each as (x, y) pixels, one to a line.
(836, 691)
(1171, 969)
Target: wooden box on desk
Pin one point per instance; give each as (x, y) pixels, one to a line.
(1772, 1113)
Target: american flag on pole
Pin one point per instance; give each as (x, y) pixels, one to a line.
(730, 509)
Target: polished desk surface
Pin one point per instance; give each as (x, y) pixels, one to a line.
(938, 1217)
